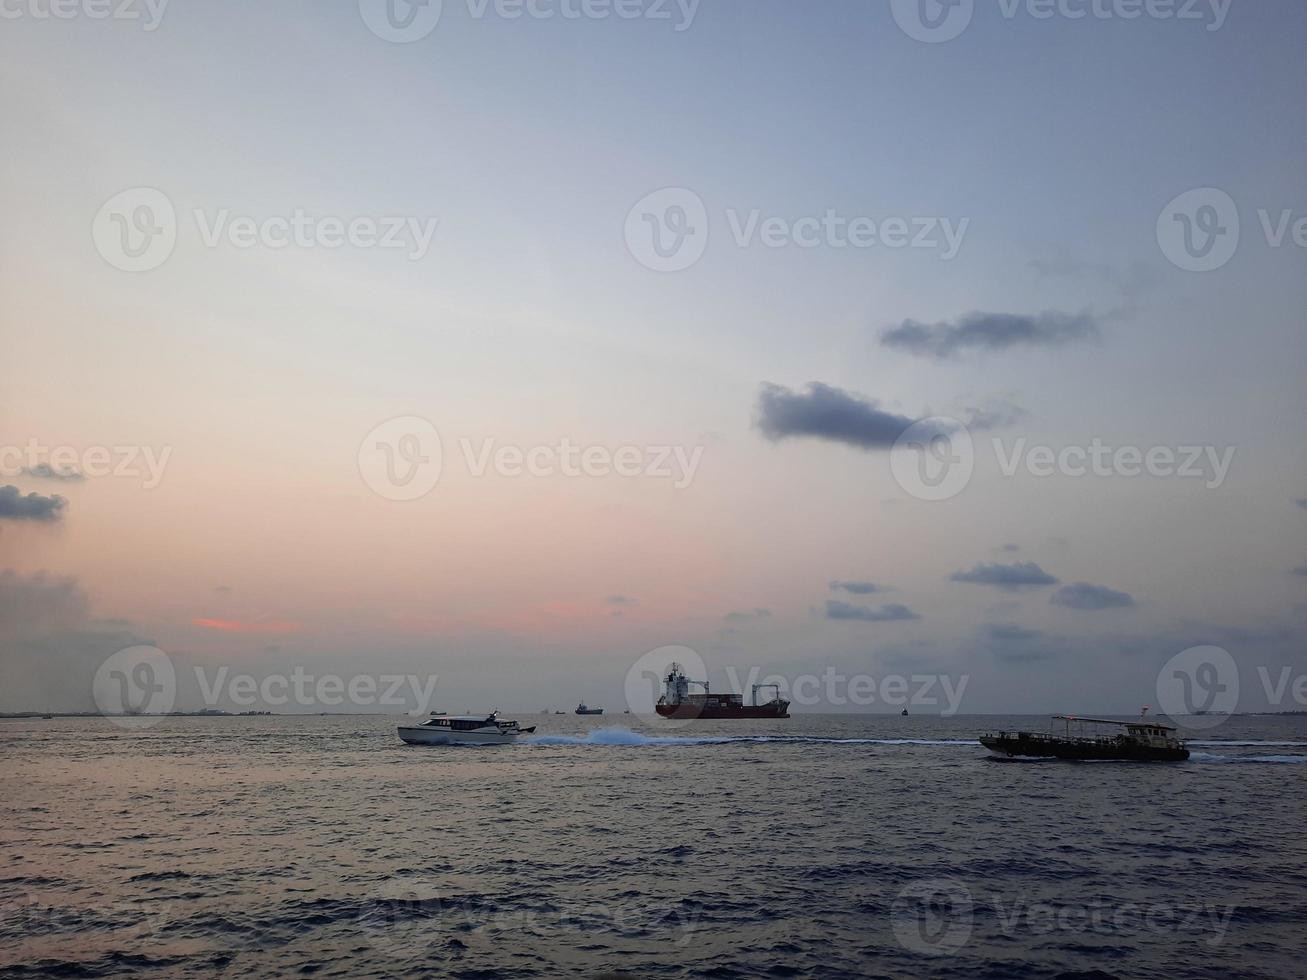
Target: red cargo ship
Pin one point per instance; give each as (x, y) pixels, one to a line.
(678, 702)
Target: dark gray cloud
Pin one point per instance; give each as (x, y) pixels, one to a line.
(1012, 548)
(1302, 503)
(747, 616)
(823, 412)
(44, 471)
(620, 600)
(894, 612)
(1013, 644)
(857, 588)
(50, 646)
(1082, 595)
(990, 332)
(1018, 575)
(33, 507)
(1010, 633)
(1300, 570)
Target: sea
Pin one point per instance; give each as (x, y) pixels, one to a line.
(820, 846)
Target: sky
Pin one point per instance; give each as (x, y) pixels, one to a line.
(268, 271)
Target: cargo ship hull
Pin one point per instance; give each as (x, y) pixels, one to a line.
(689, 710)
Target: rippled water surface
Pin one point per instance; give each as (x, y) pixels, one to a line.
(847, 846)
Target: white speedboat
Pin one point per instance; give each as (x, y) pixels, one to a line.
(442, 729)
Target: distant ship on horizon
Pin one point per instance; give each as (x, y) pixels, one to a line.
(678, 702)
(581, 709)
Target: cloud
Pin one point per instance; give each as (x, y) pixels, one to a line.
(1082, 595)
(1302, 503)
(990, 332)
(1300, 570)
(1015, 576)
(222, 589)
(50, 646)
(827, 413)
(620, 600)
(44, 471)
(240, 626)
(1012, 548)
(857, 588)
(1010, 633)
(894, 612)
(1013, 644)
(33, 507)
(748, 616)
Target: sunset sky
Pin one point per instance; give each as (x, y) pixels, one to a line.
(251, 374)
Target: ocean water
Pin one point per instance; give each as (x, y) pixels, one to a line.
(822, 846)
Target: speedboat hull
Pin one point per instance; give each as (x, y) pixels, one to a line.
(416, 735)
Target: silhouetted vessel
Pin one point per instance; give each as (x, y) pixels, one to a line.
(678, 702)
(581, 709)
(1094, 739)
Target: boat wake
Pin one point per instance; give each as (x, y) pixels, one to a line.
(626, 737)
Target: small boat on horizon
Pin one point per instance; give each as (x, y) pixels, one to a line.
(581, 709)
(443, 729)
(1094, 739)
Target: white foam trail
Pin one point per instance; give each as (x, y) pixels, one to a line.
(624, 736)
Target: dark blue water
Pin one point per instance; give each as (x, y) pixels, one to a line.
(848, 846)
